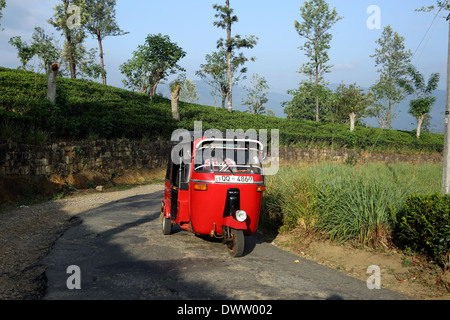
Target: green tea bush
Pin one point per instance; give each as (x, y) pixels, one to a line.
(423, 225)
(86, 109)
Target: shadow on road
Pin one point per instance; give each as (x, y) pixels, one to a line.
(122, 254)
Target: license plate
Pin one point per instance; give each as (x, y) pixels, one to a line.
(234, 179)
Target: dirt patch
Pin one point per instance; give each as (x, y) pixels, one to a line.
(15, 188)
(409, 275)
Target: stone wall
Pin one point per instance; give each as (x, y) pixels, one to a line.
(50, 168)
(292, 155)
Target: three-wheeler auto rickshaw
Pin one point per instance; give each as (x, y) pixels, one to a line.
(215, 188)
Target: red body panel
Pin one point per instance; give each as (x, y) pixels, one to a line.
(202, 212)
(207, 207)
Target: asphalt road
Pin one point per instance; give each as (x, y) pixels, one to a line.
(122, 254)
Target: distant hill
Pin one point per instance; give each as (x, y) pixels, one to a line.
(203, 89)
(403, 121)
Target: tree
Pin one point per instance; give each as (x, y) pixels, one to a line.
(415, 85)
(226, 20)
(257, 95)
(304, 102)
(317, 20)
(51, 82)
(2, 6)
(102, 23)
(270, 113)
(152, 62)
(88, 66)
(46, 48)
(440, 4)
(393, 59)
(25, 52)
(68, 18)
(188, 91)
(175, 89)
(215, 72)
(350, 102)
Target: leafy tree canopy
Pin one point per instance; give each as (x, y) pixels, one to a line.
(152, 62)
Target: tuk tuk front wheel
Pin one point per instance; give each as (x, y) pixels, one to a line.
(166, 226)
(236, 245)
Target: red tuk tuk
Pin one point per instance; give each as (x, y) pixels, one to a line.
(215, 188)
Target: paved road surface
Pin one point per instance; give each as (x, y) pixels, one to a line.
(122, 254)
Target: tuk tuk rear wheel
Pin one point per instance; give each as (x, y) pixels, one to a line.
(166, 226)
(237, 244)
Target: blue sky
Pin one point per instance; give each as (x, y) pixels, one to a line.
(190, 25)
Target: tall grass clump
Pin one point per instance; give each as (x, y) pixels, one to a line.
(346, 203)
(289, 200)
(360, 203)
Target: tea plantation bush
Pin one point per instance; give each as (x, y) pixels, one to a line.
(424, 226)
(83, 109)
(89, 109)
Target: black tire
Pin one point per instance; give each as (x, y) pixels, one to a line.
(166, 226)
(237, 245)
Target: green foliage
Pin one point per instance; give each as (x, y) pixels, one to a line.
(225, 21)
(86, 109)
(151, 63)
(415, 84)
(102, 23)
(83, 108)
(346, 203)
(46, 48)
(188, 91)
(25, 52)
(2, 6)
(317, 21)
(424, 226)
(392, 58)
(257, 95)
(214, 71)
(347, 100)
(68, 17)
(303, 103)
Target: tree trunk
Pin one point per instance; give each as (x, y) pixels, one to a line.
(390, 115)
(224, 100)
(51, 83)
(153, 90)
(352, 121)
(317, 93)
(72, 67)
(419, 124)
(154, 79)
(229, 53)
(175, 96)
(102, 62)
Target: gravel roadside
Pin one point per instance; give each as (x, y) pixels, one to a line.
(28, 233)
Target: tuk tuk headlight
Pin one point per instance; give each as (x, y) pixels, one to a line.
(241, 215)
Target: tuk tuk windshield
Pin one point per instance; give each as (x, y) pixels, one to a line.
(226, 157)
